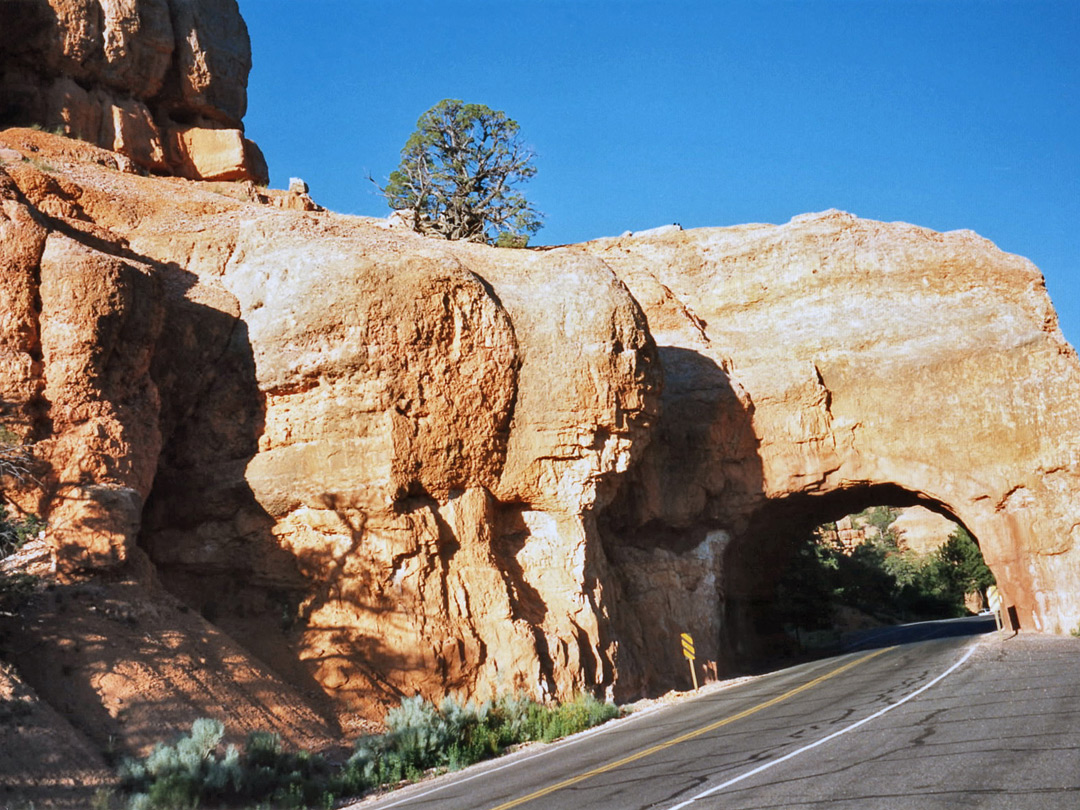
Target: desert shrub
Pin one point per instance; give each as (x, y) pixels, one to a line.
(583, 712)
(15, 532)
(195, 771)
(180, 775)
(421, 737)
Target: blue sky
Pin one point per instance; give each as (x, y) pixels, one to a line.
(945, 113)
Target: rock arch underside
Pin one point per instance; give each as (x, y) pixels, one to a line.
(387, 464)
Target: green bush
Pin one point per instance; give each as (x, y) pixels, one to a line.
(583, 712)
(14, 590)
(193, 771)
(14, 533)
(420, 737)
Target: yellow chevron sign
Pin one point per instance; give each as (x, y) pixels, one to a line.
(688, 651)
(687, 645)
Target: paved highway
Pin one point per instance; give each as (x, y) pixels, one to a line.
(948, 720)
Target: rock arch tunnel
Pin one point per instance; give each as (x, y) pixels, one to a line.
(831, 363)
(754, 566)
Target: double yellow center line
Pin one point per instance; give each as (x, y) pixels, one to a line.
(647, 752)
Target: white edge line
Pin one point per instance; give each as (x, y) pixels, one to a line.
(510, 761)
(824, 740)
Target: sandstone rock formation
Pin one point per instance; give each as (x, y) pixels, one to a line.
(829, 364)
(922, 531)
(163, 82)
(389, 444)
(388, 465)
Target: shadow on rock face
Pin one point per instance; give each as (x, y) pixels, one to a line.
(667, 530)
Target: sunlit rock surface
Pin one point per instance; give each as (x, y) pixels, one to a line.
(834, 362)
(386, 464)
(161, 82)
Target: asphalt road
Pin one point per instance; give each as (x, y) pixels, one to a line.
(951, 720)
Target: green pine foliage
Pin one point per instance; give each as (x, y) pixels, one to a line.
(878, 578)
(459, 173)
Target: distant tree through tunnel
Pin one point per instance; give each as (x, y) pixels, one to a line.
(814, 567)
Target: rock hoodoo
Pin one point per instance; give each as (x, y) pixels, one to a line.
(162, 82)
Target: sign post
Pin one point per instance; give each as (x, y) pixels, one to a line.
(993, 596)
(688, 651)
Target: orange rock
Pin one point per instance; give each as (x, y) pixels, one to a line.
(217, 154)
(402, 465)
(133, 132)
(115, 73)
(921, 530)
(832, 363)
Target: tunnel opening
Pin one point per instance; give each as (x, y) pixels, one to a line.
(813, 571)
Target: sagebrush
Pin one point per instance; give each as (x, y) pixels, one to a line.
(197, 771)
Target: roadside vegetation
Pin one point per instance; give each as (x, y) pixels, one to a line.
(877, 578)
(198, 771)
(15, 462)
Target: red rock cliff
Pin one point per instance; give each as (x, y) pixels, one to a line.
(161, 82)
(829, 364)
(396, 443)
(390, 464)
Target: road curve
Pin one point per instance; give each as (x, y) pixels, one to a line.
(952, 720)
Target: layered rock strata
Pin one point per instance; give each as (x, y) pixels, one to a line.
(832, 363)
(162, 82)
(390, 465)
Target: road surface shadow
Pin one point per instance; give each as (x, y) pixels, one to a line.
(918, 631)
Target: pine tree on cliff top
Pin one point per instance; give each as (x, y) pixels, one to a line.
(458, 174)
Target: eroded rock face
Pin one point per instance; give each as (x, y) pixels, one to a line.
(163, 82)
(391, 446)
(393, 465)
(832, 363)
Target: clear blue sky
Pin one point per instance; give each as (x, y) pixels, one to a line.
(945, 113)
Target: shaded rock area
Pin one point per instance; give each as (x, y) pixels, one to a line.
(44, 761)
(161, 82)
(118, 665)
(297, 465)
